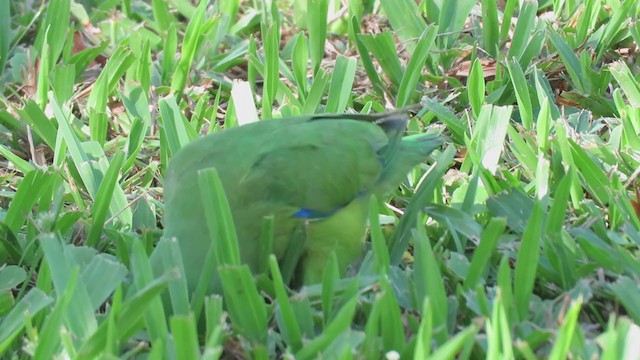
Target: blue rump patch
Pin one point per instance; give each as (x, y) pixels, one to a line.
(305, 214)
(313, 214)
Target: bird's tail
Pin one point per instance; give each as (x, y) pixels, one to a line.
(400, 154)
(411, 151)
(423, 143)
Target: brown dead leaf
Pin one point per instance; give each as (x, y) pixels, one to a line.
(463, 69)
(566, 102)
(116, 107)
(78, 43)
(89, 36)
(636, 203)
(461, 154)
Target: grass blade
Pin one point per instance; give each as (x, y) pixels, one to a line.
(411, 75)
(341, 83)
(317, 12)
(527, 260)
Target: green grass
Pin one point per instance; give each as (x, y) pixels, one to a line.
(523, 241)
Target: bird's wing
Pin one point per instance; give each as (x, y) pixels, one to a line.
(318, 167)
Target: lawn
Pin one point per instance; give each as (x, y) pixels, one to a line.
(519, 237)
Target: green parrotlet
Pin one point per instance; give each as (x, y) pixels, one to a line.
(313, 174)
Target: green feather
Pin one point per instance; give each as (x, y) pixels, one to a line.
(316, 172)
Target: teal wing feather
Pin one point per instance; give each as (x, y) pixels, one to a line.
(319, 166)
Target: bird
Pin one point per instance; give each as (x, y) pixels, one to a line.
(314, 175)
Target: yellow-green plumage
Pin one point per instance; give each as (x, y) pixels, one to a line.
(313, 174)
